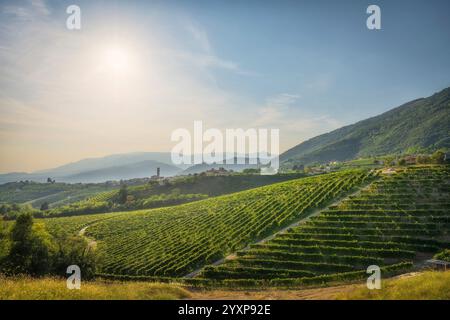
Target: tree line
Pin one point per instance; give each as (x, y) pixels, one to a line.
(27, 248)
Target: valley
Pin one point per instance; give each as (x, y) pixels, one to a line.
(356, 218)
(318, 224)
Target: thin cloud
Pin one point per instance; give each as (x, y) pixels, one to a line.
(206, 57)
(25, 10)
(284, 112)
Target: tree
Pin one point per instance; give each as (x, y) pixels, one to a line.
(75, 251)
(123, 194)
(31, 247)
(443, 255)
(44, 206)
(31, 250)
(438, 157)
(4, 241)
(251, 171)
(153, 183)
(4, 209)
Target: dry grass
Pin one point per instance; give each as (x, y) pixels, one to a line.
(430, 285)
(415, 286)
(326, 293)
(24, 288)
(423, 286)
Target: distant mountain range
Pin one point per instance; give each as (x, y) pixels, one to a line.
(117, 167)
(113, 167)
(129, 171)
(114, 160)
(421, 123)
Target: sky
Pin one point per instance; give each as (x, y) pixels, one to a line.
(138, 70)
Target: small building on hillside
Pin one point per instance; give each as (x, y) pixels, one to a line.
(218, 172)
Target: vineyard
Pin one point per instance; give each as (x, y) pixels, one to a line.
(174, 241)
(55, 194)
(141, 194)
(400, 219)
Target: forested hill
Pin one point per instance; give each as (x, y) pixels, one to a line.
(421, 123)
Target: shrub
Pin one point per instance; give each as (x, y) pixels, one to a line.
(29, 249)
(443, 255)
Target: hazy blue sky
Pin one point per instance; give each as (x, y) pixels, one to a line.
(137, 70)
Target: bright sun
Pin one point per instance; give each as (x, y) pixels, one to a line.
(117, 59)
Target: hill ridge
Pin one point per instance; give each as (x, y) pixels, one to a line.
(420, 123)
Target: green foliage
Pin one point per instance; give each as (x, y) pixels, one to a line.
(75, 251)
(4, 241)
(44, 206)
(443, 255)
(386, 224)
(82, 207)
(173, 241)
(153, 194)
(29, 249)
(55, 194)
(11, 211)
(421, 125)
(389, 161)
(122, 196)
(423, 159)
(251, 171)
(438, 157)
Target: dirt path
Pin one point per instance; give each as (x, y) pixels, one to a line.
(91, 243)
(322, 293)
(329, 293)
(283, 230)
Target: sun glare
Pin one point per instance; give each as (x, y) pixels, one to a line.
(117, 59)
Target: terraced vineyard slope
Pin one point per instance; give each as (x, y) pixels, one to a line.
(400, 219)
(174, 241)
(72, 225)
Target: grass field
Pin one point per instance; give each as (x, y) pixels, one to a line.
(424, 286)
(55, 289)
(398, 220)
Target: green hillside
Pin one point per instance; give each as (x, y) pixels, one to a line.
(422, 123)
(35, 193)
(259, 237)
(174, 241)
(399, 220)
(77, 199)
